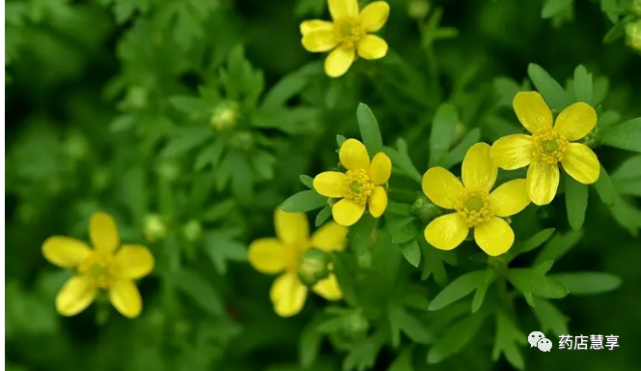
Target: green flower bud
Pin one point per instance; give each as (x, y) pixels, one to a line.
(168, 171)
(224, 116)
(425, 209)
(418, 9)
(633, 30)
(314, 266)
(154, 228)
(136, 98)
(193, 230)
(356, 324)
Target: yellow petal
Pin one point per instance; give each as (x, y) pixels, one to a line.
(320, 40)
(125, 297)
(103, 232)
(512, 151)
(330, 184)
(532, 111)
(447, 231)
(581, 163)
(288, 294)
(134, 261)
(343, 8)
(328, 288)
(380, 169)
(495, 236)
(353, 155)
(442, 187)
(291, 228)
(542, 182)
(478, 170)
(76, 295)
(267, 255)
(509, 198)
(374, 16)
(339, 60)
(315, 25)
(377, 201)
(331, 236)
(576, 121)
(65, 252)
(347, 212)
(372, 47)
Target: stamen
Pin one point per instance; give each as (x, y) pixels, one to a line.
(99, 268)
(358, 187)
(475, 207)
(348, 31)
(549, 147)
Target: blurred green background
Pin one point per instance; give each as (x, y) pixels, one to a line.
(95, 121)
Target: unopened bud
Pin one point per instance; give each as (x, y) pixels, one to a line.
(314, 266)
(418, 9)
(193, 230)
(425, 209)
(168, 171)
(154, 228)
(356, 324)
(224, 116)
(633, 31)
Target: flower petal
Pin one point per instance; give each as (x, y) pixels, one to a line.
(447, 231)
(510, 198)
(495, 236)
(377, 201)
(103, 232)
(374, 16)
(347, 212)
(291, 228)
(65, 252)
(339, 60)
(581, 163)
(542, 182)
(372, 47)
(353, 155)
(330, 184)
(478, 170)
(343, 8)
(442, 187)
(320, 40)
(267, 255)
(380, 169)
(532, 111)
(314, 25)
(76, 295)
(512, 151)
(288, 294)
(330, 237)
(125, 297)
(328, 288)
(134, 261)
(576, 121)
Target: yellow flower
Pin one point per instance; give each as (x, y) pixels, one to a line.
(347, 35)
(284, 255)
(105, 267)
(475, 206)
(548, 145)
(362, 184)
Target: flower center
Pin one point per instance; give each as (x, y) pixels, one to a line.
(348, 30)
(474, 206)
(99, 268)
(358, 186)
(549, 147)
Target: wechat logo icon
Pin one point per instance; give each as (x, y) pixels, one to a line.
(538, 339)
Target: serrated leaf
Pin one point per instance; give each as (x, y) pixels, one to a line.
(221, 248)
(370, 132)
(582, 85)
(443, 128)
(538, 239)
(412, 252)
(507, 337)
(309, 344)
(626, 135)
(558, 246)
(459, 288)
(481, 289)
(550, 317)
(576, 202)
(588, 283)
(456, 338)
(410, 325)
(552, 92)
(185, 140)
(303, 202)
(199, 290)
(529, 280)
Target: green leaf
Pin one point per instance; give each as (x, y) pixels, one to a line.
(199, 290)
(309, 344)
(481, 289)
(412, 252)
(582, 85)
(611, 9)
(360, 233)
(209, 155)
(397, 208)
(221, 248)
(630, 169)
(627, 215)
(407, 233)
(185, 140)
(456, 337)
(410, 325)
(443, 128)
(552, 92)
(554, 7)
(195, 107)
(345, 279)
(218, 211)
(433, 262)
(242, 176)
(370, 131)
(550, 317)
(340, 139)
(538, 239)
(403, 362)
(605, 188)
(617, 30)
(626, 135)
(456, 155)
(508, 335)
(558, 246)
(303, 202)
(307, 181)
(323, 215)
(576, 202)
(290, 85)
(459, 288)
(401, 160)
(588, 283)
(531, 281)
